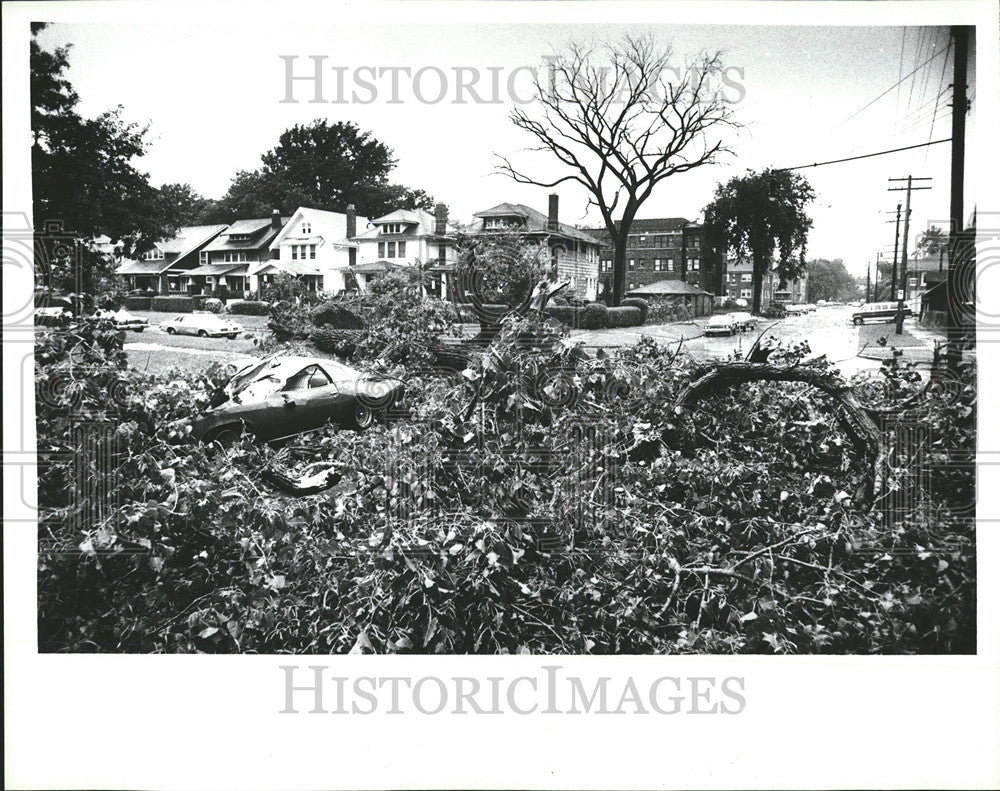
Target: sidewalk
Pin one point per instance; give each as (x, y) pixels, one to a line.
(878, 342)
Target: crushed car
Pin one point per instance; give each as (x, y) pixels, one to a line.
(282, 396)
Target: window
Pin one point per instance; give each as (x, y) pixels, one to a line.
(381, 249)
(306, 229)
(392, 227)
(631, 263)
(693, 264)
(402, 249)
(642, 239)
(390, 250)
(657, 264)
(746, 293)
(312, 251)
(670, 264)
(154, 255)
(642, 263)
(203, 257)
(234, 258)
(295, 252)
(746, 277)
(319, 378)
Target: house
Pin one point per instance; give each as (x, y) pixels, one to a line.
(664, 248)
(677, 294)
(574, 255)
(224, 264)
(737, 282)
(314, 245)
(409, 237)
(166, 267)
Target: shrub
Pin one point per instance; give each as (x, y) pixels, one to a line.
(337, 315)
(137, 303)
(624, 316)
(595, 316)
(172, 304)
(212, 304)
(774, 311)
(638, 302)
(566, 314)
(244, 307)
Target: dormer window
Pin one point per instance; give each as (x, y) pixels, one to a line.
(306, 228)
(392, 227)
(494, 223)
(155, 254)
(239, 237)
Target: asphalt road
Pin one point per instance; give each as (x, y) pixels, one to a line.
(828, 330)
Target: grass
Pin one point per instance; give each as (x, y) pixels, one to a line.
(872, 335)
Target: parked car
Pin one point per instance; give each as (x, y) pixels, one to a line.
(879, 311)
(721, 324)
(744, 320)
(122, 319)
(56, 311)
(282, 396)
(204, 325)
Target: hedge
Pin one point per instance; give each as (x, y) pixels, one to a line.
(172, 304)
(638, 302)
(212, 304)
(137, 303)
(624, 316)
(594, 316)
(565, 314)
(246, 307)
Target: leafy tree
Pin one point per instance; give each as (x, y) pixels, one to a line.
(620, 124)
(181, 205)
(758, 216)
(324, 166)
(83, 174)
(932, 242)
(829, 280)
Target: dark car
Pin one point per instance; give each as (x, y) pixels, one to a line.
(282, 396)
(878, 311)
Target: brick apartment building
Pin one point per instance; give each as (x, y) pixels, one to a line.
(737, 282)
(666, 248)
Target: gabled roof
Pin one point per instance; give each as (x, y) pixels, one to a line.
(667, 288)
(187, 239)
(330, 226)
(289, 267)
(424, 220)
(260, 232)
(534, 222)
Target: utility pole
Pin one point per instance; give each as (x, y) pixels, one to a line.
(959, 107)
(901, 292)
(868, 283)
(875, 291)
(895, 251)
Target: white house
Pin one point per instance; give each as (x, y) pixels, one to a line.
(315, 245)
(407, 237)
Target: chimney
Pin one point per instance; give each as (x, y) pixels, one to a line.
(553, 212)
(352, 231)
(440, 219)
(276, 220)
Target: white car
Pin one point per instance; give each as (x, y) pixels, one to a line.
(745, 320)
(204, 325)
(122, 319)
(722, 324)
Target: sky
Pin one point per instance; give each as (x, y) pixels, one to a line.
(211, 93)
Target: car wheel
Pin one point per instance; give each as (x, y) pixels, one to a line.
(227, 436)
(858, 320)
(139, 329)
(232, 336)
(171, 330)
(362, 416)
(202, 334)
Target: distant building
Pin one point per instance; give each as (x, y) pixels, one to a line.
(314, 245)
(408, 237)
(737, 281)
(224, 264)
(165, 269)
(574, 254)
(677, 294)
(665, 248)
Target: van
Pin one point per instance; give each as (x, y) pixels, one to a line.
(879, 311)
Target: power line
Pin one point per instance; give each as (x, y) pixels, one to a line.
(905, 77)
(866, 156)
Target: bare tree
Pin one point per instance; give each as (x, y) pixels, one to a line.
(622, 118)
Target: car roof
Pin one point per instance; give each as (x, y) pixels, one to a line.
(285, 366)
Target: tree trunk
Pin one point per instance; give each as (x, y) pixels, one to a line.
(618, 292)
(758, 285)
